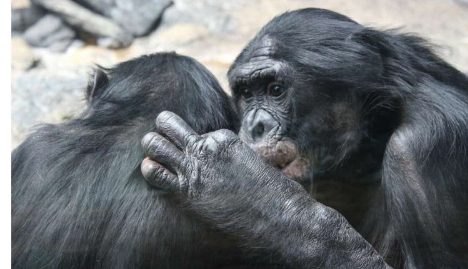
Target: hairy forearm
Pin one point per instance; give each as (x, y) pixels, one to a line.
(280, 218)
(311, 235)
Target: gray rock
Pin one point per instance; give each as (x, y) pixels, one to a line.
(23, 18)
(463, 2)
(50, 32)
(87, 21)
(214, 16)
(136, 16)
(49, 96)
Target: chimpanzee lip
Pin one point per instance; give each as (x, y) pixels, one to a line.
(278, 153)
(297, 169)
(284, 155)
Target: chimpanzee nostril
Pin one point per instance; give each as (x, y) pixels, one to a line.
(257, 131)
(257, 124)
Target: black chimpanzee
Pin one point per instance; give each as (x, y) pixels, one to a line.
(78, 197)
(373, 119)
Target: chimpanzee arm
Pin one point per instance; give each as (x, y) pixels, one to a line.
(222, 180)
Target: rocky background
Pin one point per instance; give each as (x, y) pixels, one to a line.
(56, 43)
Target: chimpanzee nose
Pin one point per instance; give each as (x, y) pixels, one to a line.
(257, 131)
(259, 123)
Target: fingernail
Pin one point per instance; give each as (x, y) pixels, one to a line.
(146, 166)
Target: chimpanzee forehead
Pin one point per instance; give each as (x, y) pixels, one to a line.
(258, 67)
(257, 59)
(263, 47)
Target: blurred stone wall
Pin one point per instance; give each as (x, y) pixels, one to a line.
(48, 86)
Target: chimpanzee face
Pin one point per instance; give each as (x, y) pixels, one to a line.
(294, 122)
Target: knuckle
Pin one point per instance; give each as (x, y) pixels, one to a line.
(192, 142)
(226, 134)
(225, 137)
(191, 138)
(210, 145)
(213, 145)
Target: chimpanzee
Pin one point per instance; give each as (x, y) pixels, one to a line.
(373, 120)
(78, 197)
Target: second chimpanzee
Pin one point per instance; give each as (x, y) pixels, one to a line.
(373, 119)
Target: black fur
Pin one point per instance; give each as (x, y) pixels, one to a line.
(412, 120)
(79, 200)
(78, 197)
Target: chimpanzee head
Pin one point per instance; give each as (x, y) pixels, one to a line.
(303, 89)
(141, 88)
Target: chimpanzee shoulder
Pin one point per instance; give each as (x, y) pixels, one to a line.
(78, 197)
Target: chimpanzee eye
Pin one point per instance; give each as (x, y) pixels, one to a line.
(246, 93)
(275, 89)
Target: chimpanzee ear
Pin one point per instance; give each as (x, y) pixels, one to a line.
(97, 84)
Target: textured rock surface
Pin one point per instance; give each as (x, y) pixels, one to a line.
(50, 32)
(85, 20)
(135, 16)
(213, 32)
(22, 18)
(44, 96)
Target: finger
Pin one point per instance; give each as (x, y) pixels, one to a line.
(213, 142)
(158, 176)
(162, 151)
(224, 136)
(175, 129)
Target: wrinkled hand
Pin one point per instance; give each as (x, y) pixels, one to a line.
(211, 166)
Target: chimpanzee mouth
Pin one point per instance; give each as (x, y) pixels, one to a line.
(297, 169)
(284, 155)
